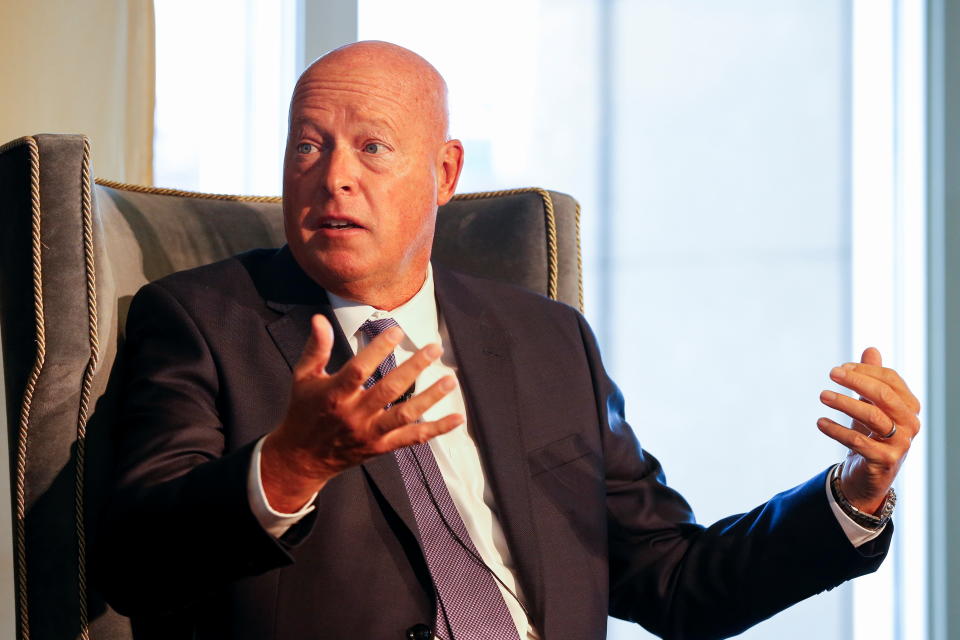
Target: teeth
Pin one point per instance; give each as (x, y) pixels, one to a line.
(338, 225)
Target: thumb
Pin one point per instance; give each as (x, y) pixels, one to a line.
(871, 355)
(316, 353)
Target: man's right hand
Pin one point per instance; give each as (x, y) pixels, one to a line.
(333, 423)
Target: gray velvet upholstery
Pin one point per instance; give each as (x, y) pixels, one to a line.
(82, 250)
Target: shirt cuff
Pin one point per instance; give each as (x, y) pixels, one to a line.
(856, 534)
(274, 522)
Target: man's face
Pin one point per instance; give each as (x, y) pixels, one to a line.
(364, 173)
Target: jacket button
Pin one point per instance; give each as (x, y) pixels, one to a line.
(419, 632)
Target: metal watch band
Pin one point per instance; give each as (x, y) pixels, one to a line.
(865, 520)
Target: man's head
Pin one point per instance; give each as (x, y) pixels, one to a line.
(366, 166)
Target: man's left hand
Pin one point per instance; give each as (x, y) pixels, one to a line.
(874, 456)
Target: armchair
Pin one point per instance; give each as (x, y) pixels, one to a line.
(74, 250)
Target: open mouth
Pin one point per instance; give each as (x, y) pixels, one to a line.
(340, 224)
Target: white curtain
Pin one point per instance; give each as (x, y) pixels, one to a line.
(74, 67)
(82, 67)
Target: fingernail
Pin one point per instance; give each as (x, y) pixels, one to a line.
(447, 384)
(850, 365)
(434, 351)
(838, 372)
(395, 334)
(829, 396)
(822, 422)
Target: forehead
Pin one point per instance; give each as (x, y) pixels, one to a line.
(361, 96)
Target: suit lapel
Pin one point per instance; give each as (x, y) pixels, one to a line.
(484, 357)
(297, 298)
(291, 331)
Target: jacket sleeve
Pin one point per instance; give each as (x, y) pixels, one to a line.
(684, 581)
(179, 524)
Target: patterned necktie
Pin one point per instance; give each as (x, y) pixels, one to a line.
(468, 597)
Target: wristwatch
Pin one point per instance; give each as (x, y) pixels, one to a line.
(862, 518)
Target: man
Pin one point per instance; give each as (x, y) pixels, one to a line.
(273, 482)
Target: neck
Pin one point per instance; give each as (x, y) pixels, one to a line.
(384, 298)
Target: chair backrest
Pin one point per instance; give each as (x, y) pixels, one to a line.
(72, 254)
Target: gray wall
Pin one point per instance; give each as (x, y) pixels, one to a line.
(325, 25)
(944, 315)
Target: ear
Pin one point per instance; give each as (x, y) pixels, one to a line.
(449, 165)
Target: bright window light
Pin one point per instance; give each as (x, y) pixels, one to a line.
(225, 70)
(888, 278)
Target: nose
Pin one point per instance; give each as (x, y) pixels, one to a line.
(340, 178)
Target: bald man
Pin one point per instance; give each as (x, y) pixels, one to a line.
(338, 439)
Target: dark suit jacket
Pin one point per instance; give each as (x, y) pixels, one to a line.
(591, 523)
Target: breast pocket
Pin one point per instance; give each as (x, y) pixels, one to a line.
(558, 453)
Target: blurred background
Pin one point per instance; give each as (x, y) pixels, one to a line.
(768, 187)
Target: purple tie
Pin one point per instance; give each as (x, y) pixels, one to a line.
(470, 606)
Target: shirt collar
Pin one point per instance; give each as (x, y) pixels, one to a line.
(417, 316)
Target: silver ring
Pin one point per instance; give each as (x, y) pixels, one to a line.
(889, 435)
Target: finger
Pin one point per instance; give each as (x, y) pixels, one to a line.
(410, 411)
(395, 383)
(871, 355)
(890, 377)
(856, 425)
(355, 372)
(853, 440)
(879, 393)
(418, 432)
(316, 353)
(866, 416)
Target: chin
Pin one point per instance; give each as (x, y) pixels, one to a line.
(335, 276)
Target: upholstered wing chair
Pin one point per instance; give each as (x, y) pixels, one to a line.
(75, 250)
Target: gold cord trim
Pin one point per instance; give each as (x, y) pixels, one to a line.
(136, 188)
(86, 390)
(579, 262)
(23, 427)
(550, 222)
(16, 143)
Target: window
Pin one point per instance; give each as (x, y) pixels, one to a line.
(752, 182)
(713, 150)
(225, 71)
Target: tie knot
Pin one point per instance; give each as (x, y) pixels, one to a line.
(372, 328)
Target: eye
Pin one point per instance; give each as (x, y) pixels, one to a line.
(305, 147)
(373, 148)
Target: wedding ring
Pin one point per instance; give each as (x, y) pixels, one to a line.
(890, 435)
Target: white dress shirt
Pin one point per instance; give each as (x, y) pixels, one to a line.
(456, 452)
